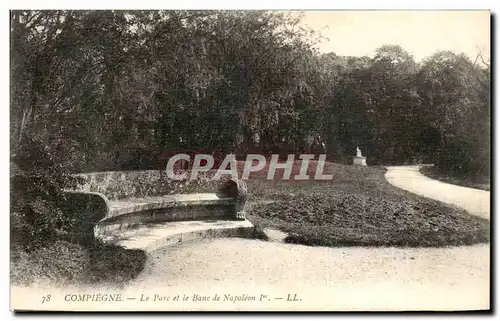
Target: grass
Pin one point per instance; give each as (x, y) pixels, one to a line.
(359, 208)
(63, 263)
(481, 182)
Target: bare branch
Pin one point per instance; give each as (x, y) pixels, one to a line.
(480, 55)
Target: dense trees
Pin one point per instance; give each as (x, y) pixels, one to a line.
(108, 90)
(455, 96)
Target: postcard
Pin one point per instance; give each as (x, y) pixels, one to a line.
(250, 160)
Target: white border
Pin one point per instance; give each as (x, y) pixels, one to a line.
(258, 4)
(198, 4)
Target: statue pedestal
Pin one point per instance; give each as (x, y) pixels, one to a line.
(359, 160)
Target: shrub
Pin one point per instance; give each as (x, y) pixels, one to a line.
(37, 183)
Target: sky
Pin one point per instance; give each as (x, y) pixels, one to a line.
(421, 33)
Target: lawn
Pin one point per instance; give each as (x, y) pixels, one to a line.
(359, 208)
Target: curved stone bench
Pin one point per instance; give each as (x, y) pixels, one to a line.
(151, 222)
(133, 205)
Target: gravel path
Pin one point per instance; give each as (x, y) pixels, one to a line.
(324, 278)
(474, 201)
(349, 278)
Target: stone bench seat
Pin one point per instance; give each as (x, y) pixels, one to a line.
(139, 204)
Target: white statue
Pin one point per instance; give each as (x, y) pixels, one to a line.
(359, 159)
(358, 152)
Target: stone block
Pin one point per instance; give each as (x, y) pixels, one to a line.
(359, 160)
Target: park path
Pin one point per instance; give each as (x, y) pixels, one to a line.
(316, 278)
(474, 201)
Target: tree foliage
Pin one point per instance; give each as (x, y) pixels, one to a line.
(122, 89)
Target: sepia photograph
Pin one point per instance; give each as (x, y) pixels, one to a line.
(250, 160)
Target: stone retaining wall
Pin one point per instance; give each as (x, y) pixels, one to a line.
(127, 184)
